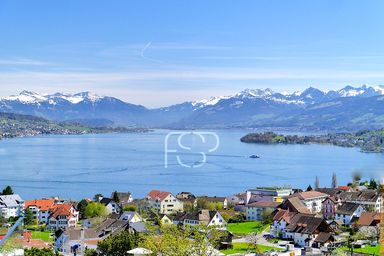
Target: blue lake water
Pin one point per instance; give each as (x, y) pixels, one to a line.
(83, 165)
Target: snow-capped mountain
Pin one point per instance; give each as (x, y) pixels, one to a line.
(349, 108)
(28, 97)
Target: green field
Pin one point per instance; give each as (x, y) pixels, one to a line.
(371, 250)
(245, 228)
(245, 247)
(42, 235)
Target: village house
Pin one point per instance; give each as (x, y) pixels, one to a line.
(185, 196)
(348, 213)
(40, 208)
(125, 198)
(369, 219)
(131, 217)
(163, 202)
(203, 217)
(62, 216)
(254, 211)
(269, 194)
(371, 200)
(11, 206)
(329, 207)
(294, 204)
(304, 230)
(111, 205)
(237, 201)
(311, 199)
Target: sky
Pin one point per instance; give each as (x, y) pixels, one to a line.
(158, 53)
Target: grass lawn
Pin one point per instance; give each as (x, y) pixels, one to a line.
(43, 235)
(371, 250)
(245, 228)
(243, 248)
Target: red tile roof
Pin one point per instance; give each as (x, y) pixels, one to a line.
(41, 204)
(157, 194)
(61, 210)
(368, 219)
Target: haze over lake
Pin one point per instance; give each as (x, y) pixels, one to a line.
(83, 165)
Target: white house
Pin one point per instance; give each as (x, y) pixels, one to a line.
(163, 202)
(62, 216)
(255, 210)
(111, 205)
(272, 194)
(348, 212)
(40, 208)
(131, 217)
(313, 200)
(204, 217)
(304, 229)
(372, 200)
(11, 206)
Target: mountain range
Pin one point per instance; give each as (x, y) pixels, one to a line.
(350, 108)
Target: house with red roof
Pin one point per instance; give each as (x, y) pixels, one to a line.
(40, 208)
(62, 216)
(163, 202)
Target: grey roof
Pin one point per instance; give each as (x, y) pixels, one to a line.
(10, 200)
(138, 226)
(330, 191)
(360, 196)
(347, 208)
(306, 224)
(123, 196)
(75, 234)
(202, 216)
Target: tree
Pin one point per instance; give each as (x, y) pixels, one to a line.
(172, 240)
(94, 209)
(317, 182)
(28, 217)
(129, 208)
(7, 191)
(334, 180)
(38, 252)
(118, 245)
(373, 184)
(309, 188)
(81, 207)
(115, 197)
(253, 240)
(97, 197)
(90, 252)
(267, 216)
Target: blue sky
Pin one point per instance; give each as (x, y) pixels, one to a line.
(158, 53)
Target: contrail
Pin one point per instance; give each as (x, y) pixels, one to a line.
(146, 58)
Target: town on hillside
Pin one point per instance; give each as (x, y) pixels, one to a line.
(337, 220)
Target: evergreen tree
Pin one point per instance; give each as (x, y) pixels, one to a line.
(317, 183)
(7, 191)
(28, 217)
(309, 188)
(81, 206)
(334, 180)
(115, 197)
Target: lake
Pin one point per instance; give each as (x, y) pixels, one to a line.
(82, 165)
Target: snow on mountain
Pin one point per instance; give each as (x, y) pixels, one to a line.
(27, 97)
(350, 91)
